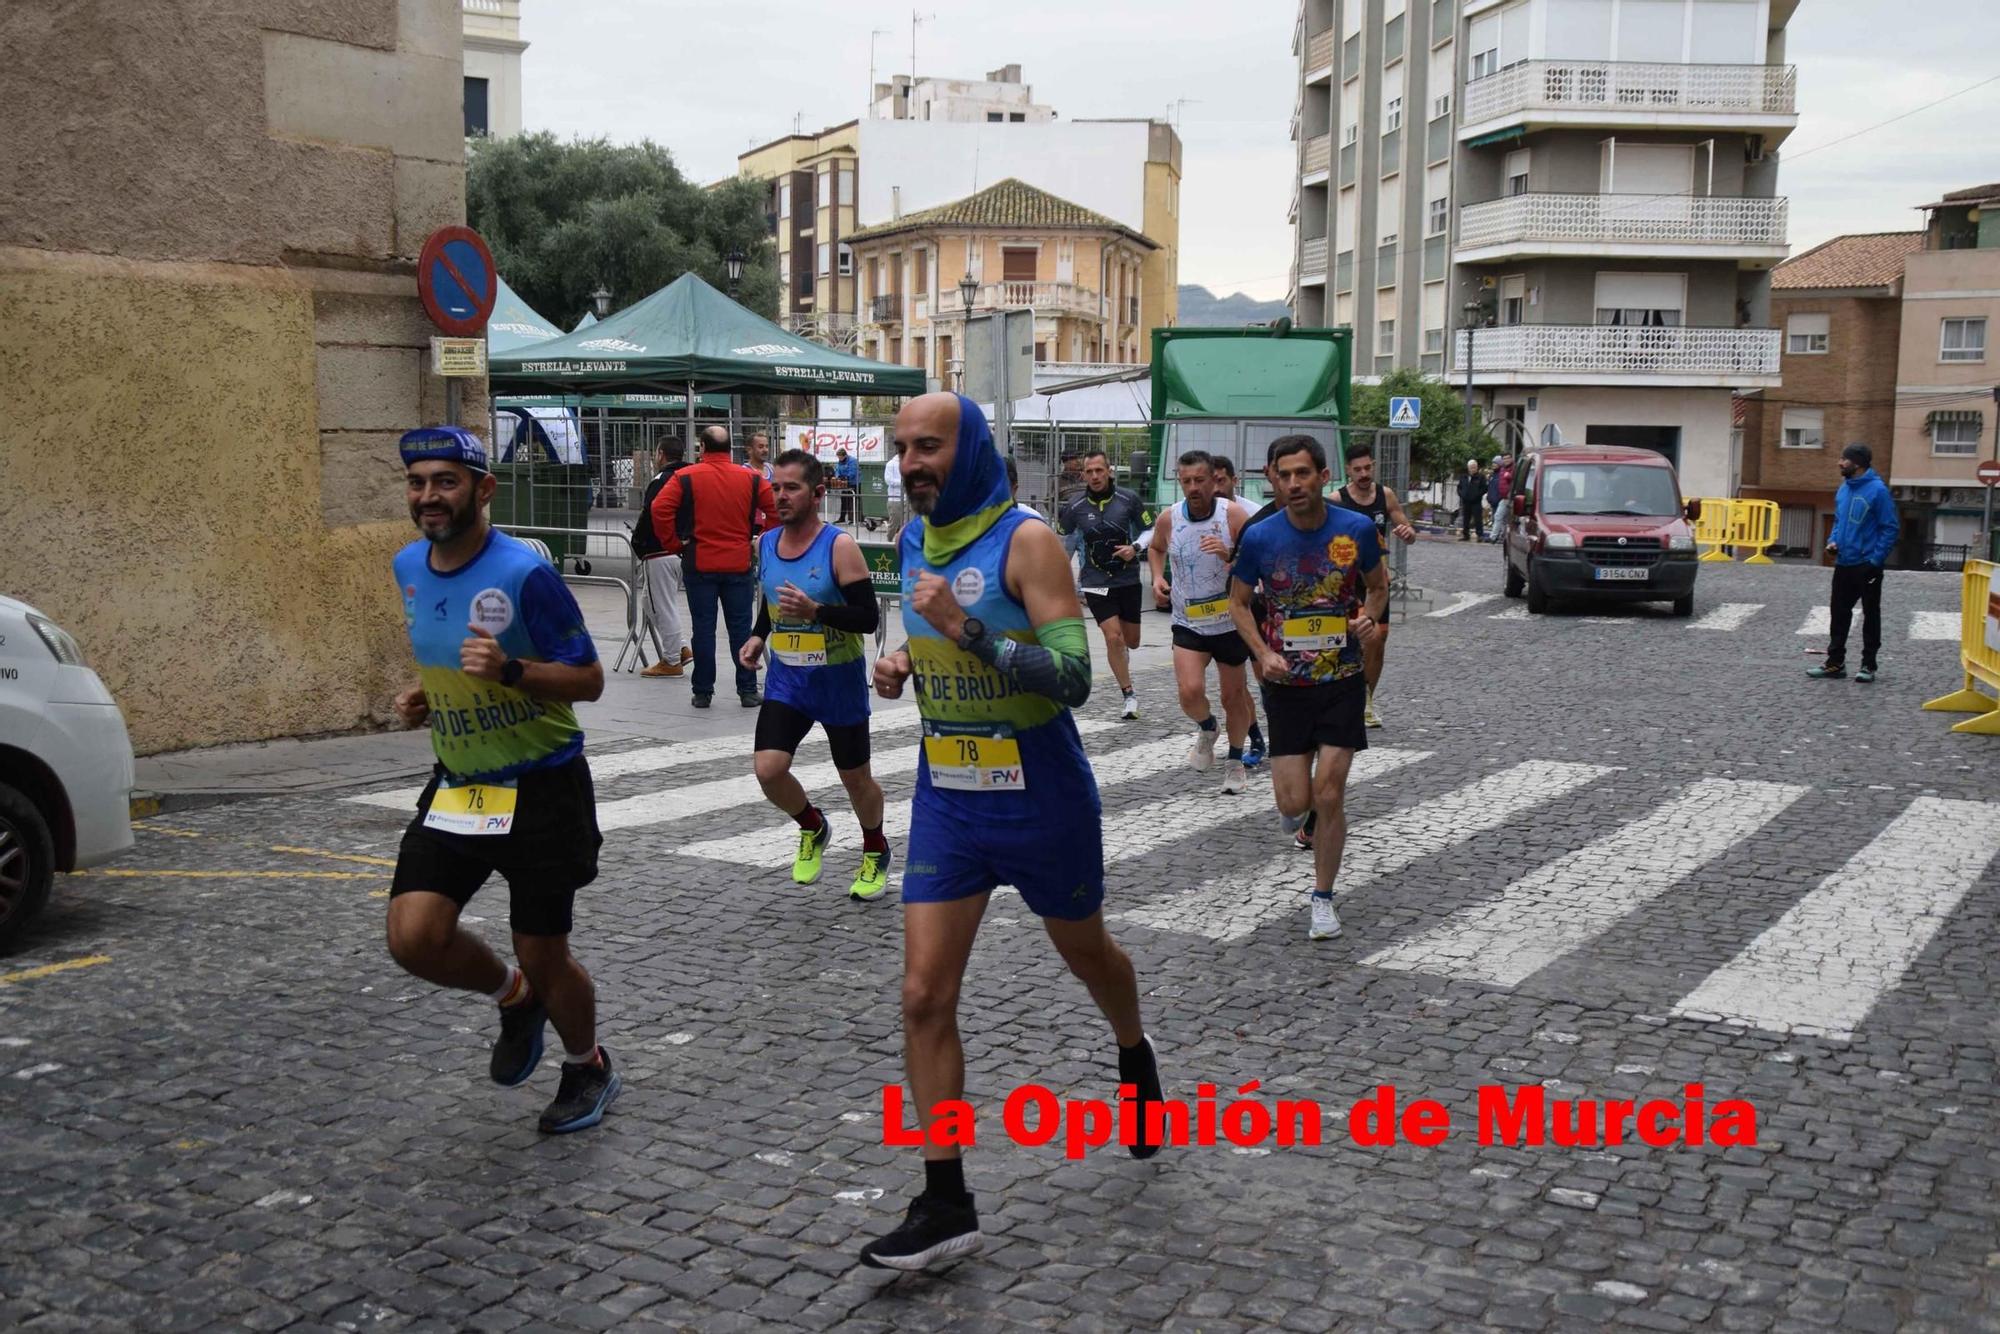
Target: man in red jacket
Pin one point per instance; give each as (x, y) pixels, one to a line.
(709, 513)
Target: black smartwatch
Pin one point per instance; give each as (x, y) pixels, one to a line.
(511, 673)
(972, 632)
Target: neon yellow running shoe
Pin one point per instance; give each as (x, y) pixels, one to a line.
(812, 844)
(873, 877)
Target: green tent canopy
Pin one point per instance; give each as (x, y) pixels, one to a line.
(514, 323)
(688, 336)
(628, 402)
(584, 323)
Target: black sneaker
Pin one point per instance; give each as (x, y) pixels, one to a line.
(933, 1230)
(585, 1092)
(1141, 1069)
(518, 1049)
(703, 701)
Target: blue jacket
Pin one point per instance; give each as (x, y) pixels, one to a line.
(1865, 523)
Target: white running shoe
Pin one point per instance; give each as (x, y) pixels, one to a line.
(1235, 778)
(1131, 709)
(1368, 714)
(1325, 921)
(1203, 754)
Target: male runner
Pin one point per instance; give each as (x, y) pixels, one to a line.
(1380, 506)
(1106, 523)
(1196, 536)
(1005, 794)
(502, 653)
(1324, 587)
(815, 608)
(1225, 489)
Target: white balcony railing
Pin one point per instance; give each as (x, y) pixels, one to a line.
(1622, 85)
(1599, 349)
(1312, 257)
(1319, 154)
(1319, 50)
(1645, 219)
(1046, 298)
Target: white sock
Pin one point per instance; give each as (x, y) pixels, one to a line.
(507, 986)
(586, 1057)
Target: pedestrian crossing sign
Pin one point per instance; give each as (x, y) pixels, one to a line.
(1405, 413)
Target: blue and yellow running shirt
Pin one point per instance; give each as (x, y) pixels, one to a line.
(1312, 586)
(479, 728)
(817, 670)
(992, 753)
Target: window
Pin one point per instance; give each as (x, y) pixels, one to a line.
(846, 261)
(1392, 115)
(825, 188)
(1441, 106)
(992, 116)
(1806, 335)
(475, 109)
(785, 269)
(1385, 339)
(1020, 116)
(1353, 133)
(1433, 340)
(1388, 239)
(1641, 300)
(1439, 218)
(920, 267)
(1483, 64)
(1513, 298)
(1804, 428)
(1956, 433)
(1517, 172)
(825, 259)
(847, 187)
(1963, 340)
(1017, 264)
(917, 350)
(784, 199)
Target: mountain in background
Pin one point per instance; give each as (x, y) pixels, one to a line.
(1199, 306)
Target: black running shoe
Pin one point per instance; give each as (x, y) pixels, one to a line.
(585, 1092)
(1141, 1069)
(518, 1049)
(933, 1230)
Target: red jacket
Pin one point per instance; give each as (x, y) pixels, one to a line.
(709, 512)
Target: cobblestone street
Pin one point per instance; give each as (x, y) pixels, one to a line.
(1603, 851)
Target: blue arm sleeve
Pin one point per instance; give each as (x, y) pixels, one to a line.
(553, 620)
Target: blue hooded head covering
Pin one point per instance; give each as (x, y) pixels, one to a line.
(976, 493)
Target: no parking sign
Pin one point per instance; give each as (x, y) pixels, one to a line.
(456, 281)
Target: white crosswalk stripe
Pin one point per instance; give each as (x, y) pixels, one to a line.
(1231, 906)
(1466, 601)
(1571, 900)
(1824, 964)
(1727, 616)
(1935, 625)
(1511, 614)
(1819, 621)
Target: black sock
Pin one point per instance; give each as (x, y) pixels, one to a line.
(1207, 724)
(1256, 736)
(1312, 822)
(1133, 1060)
(944, 1178)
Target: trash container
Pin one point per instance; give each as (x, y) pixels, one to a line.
(874, 497)
(550, 495)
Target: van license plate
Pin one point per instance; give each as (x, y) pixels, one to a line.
(1638, 572)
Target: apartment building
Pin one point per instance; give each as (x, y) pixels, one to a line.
(999, 98)
(1080, 270)
(492, 34)
(1946, 379)
(1594, 179)
(1840, 307)
(813, 182)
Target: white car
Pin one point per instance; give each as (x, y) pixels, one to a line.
(65, 764)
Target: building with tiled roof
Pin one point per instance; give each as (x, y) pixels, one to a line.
(1863, 260)
(1019, 246)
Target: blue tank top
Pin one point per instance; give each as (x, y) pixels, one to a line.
(991, 753)
(822, 673)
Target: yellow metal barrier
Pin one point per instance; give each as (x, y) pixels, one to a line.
(1978, 651)
(1754, 524)
(1712, 529)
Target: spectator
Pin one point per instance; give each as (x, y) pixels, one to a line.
(1865, 528)
(1503, 506)
(707, 513)
(662, 568)
(757, 450)
(892, 485)
(847, 474)
(1471, 499)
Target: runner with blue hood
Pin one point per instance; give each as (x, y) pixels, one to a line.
(1004, 794)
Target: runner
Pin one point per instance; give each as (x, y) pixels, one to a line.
(1324, 587)
(816, 606)
(1004, 792)
(1196, 537)
(502, 653)
(1380, 506)
(1225, 489)
(1106, 523)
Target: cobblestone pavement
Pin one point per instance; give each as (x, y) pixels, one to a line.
(1608, 854)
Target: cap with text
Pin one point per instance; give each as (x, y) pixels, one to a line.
(443, 444)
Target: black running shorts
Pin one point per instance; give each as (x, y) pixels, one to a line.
(1301, 719)
(1106, 603)
(782, 727)
(1227, 648)
(548, 855)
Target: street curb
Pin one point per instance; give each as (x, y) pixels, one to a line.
(144, 805)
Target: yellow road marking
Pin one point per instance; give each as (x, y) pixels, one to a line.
(378, 893)
(50, 969)
(169, 832)
(125, 874)
(338, 856)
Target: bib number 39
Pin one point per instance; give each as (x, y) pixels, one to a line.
(1315, 634)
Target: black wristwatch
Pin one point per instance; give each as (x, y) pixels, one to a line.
(511, 673)
(971, 632)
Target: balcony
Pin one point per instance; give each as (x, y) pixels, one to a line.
(1750, 231)
(1312, 260)
(1537, 94)
(1318, 155)
(886, 309)
(1319, 54)
(1046, 298)
(1530, 354)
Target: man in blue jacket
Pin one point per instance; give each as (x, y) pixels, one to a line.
(1864, 533)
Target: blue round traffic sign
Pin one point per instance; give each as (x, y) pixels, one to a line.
(456, 280)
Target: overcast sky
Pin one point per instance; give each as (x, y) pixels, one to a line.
(709, 80)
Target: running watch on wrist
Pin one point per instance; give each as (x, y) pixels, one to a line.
(971, 632)
(511, 673)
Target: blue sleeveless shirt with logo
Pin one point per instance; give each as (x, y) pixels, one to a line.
(821, 672)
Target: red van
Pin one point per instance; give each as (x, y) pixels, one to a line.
(1599, 522)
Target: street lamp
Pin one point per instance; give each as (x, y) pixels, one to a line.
(1473, 310)
(600, 301)
(732, 264)
(968, 289)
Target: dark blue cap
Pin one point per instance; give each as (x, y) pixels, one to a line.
(446, 444)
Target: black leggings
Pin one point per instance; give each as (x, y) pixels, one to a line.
(782, 727)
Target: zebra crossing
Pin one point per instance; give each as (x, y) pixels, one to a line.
(1721, 618)
(1819, 967)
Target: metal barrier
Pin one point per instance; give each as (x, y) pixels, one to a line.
(631, 646)
(1978, 651)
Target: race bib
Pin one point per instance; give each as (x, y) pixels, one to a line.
(799, 648)
(1314, 634)
(472, 808)
(1209, 617)
(974, 757)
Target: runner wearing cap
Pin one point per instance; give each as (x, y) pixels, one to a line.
(502, 654)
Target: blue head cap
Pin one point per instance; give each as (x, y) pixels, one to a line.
(448, 444)
(978, 478)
